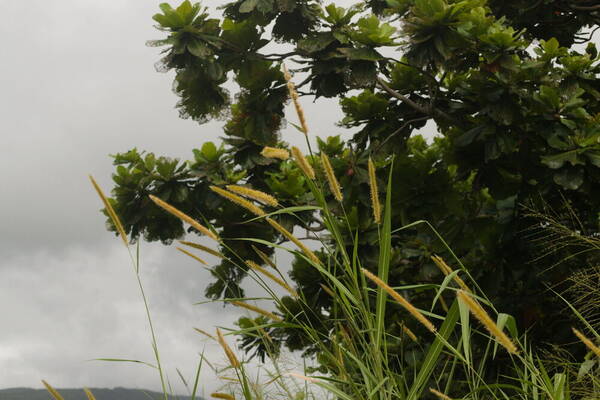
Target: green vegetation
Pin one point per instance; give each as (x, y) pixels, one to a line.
(507, 193)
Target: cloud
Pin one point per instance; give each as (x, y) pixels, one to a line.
(79, 84)
(86, 304)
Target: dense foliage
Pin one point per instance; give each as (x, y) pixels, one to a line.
(516, 106)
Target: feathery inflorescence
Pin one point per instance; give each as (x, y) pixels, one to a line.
(272, 277)
(302, 162)
(111, 212)
(334, 185)
(254, 194)
(89, 394)
(446, 270)
(409, 333)
(401, 300)
(201, 247)
(275, 152)
(195, 257)
(483, 317)
(222, 396)
(590, 345)
(184, 217)
(239, 201)
(235, 363)
(374, 193)
(439, 394)
(264, 257)
(53, 392)
(208, 335)
(294, 95)
(257, 310)
(308, 252)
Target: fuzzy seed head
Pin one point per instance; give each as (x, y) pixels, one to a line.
(53, 392)
(254, 194)
(483, 317)
(184, 217)
(439, 395)
(264, 257)
(89, 394)
(274, 152)
(409, 333)
(238, 200)
(303, 162)
(257, 310)
(401, 300)
(222, 396)
(589, 344)
(201, 247)
(195, 257)
(334, 185)
(235, 363)
(294, 95)
(374, 193)
(294, 240)
(446, 270)
(111, 212)
(254, 266)
(208, 335)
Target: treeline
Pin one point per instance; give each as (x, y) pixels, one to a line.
(78, 394)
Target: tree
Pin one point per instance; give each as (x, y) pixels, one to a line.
(516, 106)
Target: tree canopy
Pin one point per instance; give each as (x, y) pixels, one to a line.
(511, 87)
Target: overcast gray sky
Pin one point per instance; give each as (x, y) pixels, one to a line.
(77, 83)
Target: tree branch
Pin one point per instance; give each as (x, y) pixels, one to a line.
(404, 99)
(427, 110)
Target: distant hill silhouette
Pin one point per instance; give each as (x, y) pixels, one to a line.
(78, 394)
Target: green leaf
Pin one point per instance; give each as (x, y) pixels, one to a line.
(198, 48)
(568, 178)
(363, 53)
(593, 157)
(556, 161)
(248, 6)
(316, 42)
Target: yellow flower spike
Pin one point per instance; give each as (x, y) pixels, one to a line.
(195, 257)
(53, 392)
(111, 212)
(374, 193)
(256, 309)
(272, 277)
(446, 270)
(334, 185)
(235, 363)
(439, 395)
(184, 217)
(294, 95)
(483, 317)
(302, 162)
(203, 248)
(238, 200)
(410, 333)
(293, 239)
(589, 344)
(254, 194)
(208, 335)
(222, 396)
(275, 152)
(401, 300)
(89, 394)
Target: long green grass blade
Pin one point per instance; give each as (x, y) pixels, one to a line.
(434, 352)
